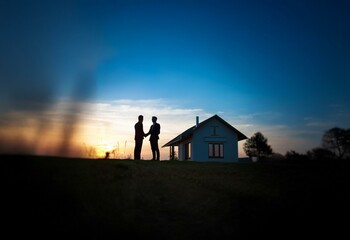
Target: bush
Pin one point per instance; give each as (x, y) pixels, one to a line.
(321, 154)
(294, 156)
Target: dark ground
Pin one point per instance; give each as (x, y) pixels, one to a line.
(59, 197)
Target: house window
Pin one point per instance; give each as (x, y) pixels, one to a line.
(188, 151)
(216, 150)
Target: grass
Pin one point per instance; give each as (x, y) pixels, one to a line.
(51, 196)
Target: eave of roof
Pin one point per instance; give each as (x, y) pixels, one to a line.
(188, 133)
(181, 137)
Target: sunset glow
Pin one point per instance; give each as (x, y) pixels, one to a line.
(74, 80)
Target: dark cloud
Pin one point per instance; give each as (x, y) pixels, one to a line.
(44, 46)
(27, 70)
(83, 91)
(48, 51)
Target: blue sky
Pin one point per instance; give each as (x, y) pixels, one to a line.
(279, 67)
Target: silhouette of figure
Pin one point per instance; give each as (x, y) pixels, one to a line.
(154, 132)
(139, 135)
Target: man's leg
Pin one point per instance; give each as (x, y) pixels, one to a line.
(153, 147)
(157, 150)
(137, 150)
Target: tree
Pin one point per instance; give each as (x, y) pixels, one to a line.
(257, 146)
(337, 140)
(320, 154)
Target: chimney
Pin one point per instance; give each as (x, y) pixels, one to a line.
(197, 121)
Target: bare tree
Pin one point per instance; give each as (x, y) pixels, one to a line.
(337, 140)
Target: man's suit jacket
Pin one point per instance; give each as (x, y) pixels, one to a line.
(139, 134)
(154, 131)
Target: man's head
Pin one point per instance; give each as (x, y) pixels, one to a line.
(154, 119)
(140, 118)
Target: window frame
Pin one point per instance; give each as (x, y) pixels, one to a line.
(216, 150)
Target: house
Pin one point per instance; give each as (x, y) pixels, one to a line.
(211, 140)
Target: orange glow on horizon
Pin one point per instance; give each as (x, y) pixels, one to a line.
(91, 132)
(88, 141)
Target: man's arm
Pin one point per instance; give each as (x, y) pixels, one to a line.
(149, 132)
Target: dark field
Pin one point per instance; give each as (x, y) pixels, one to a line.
(50, 197)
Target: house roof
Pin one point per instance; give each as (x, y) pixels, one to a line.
(189, 132)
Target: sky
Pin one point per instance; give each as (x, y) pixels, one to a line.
(74, 75)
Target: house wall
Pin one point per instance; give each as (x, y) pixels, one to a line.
(206, 134)
(182, 150)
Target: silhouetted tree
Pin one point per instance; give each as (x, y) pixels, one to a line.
(320, 154)
(337, 140)
(257, 146)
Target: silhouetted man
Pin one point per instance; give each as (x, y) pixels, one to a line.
(139, 135)
(154, 131)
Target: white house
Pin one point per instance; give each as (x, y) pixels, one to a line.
(211, 140)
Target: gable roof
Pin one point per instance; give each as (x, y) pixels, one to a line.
(189, 132)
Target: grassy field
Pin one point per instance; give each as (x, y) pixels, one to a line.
(47, 196)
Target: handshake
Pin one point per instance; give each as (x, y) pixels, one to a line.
(146, 134)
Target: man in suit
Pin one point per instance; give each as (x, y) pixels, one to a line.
(154, 132)
(139, 134)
